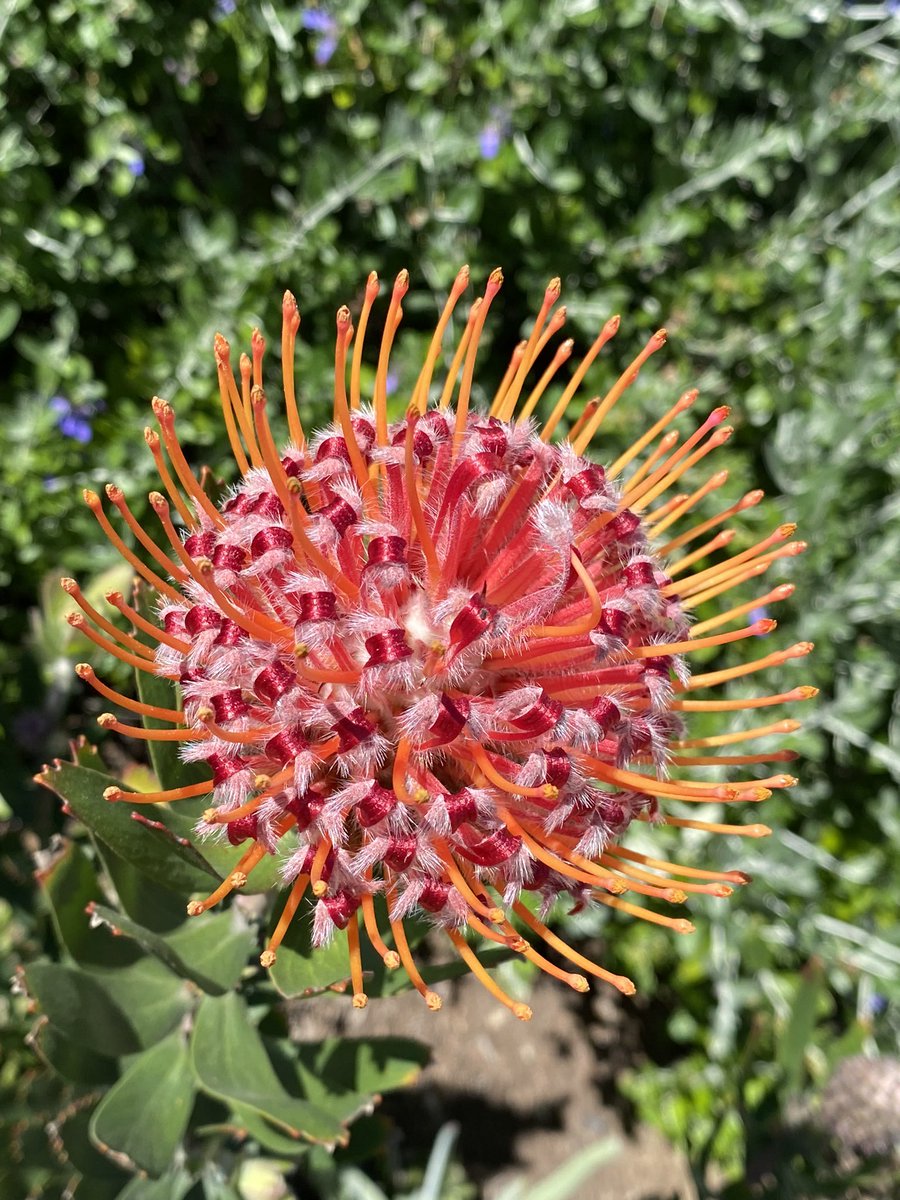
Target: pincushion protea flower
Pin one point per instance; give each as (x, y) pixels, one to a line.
(448, 654)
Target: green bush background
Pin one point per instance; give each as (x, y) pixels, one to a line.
(726, 169)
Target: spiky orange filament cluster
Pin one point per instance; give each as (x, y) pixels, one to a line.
(450, 656)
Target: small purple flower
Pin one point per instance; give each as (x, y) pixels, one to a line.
(317, 21)
(391, 382)
(877, 1004)
(72, 422)
(758, 614)
(224, 8)
(493, 134)
(136, 166)
(324, 49)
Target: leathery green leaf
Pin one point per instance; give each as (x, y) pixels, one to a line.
(230, 1063)
(142, 1118)
(70, 885)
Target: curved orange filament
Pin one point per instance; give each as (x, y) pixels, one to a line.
(391, 324)
(290, 324)
(731, 575)
(625, 380)
(676, 868)
(589, 409)
(151, 437)
(92, 500)
(117, 497)
(621, 982)
(342, 415)
(222, 368)
(667, 892)
(757, 629)
(494, 283)
(515, 360)
(296, 894)
(720, 540)
(166, 418)
(540, 851)
(563, 354)
(432, 999)
(116, 794)
(647, 492)
(712, 678)
(86, 672)
(117, 600)
(609, 330)
(655, 787)
(511, 399)
(699, 580)
(467, 954)
(371, 294)
(676, 924)
(750, 500)
(546, 792)
(663, 510)
(238, 877)
(639, 474)
(139, 662)
(782, 592)
(457, 877)
(71, 588)
(459, 353)
(754, 831)
(108, 721)
(323, 849)
(682, 404)
(390, 958)
(415, 505)
(586, 623)
(717, 438)
(360, 999)
(799, 693)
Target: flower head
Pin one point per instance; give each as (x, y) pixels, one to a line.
(442, 658)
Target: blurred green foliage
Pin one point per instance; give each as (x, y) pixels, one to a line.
(726, 169)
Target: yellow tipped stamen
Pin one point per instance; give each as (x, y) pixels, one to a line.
(476, 900)
(698, 581)
(116, 794)
(663, 510)
(676, 868)
(459, 354)
(586, 623)
(432, 999)
(509, 374)
(371, 294)
(290, 324)
(342, 414)
(467, 954)
(399, 773)
(731, 576)
(423, 383)
(732, 760)
(682, 404)
(151, 437)
(620, 982)
(675, 895)
(726, 584)
(319, 885)
(545, 792)
(117, 497)
(108, 722)
(742, 735)
(753, 831)
(391, 324)
(71, 588)
(654, 649)
(666, 443)
(717, 438)
(139, 662)
(86, 672)
(782, 592)
(221, 349)
(511, 399)
(625, 380)
(390, 958)
(166, 418)
(117, 600)
(240, 401)
(750, 500)
(296, 894)
(721, 539)
(415, 504)
(586, 873)
(647, 492)
(563, 354)
(258, 347)
(360, 999)
(712, 678)
(92, 500)
(608, 331)
(736, 705)
(589, 409)
(676, 924)
(673, 789)
(494, 283)
(577, 982)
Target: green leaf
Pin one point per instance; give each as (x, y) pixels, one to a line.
(82, 789)
(173, 1186)
(154, 907)
(797, 1034)
(105, 1177)
(223, 858)
(70, 885)
(211, 951)
(251, 1124)
(72, 1060)
(568, 1181)
(231, 1064)
(159, 1084)
(113, 1012)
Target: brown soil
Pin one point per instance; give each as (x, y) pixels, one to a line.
(527, 1097)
